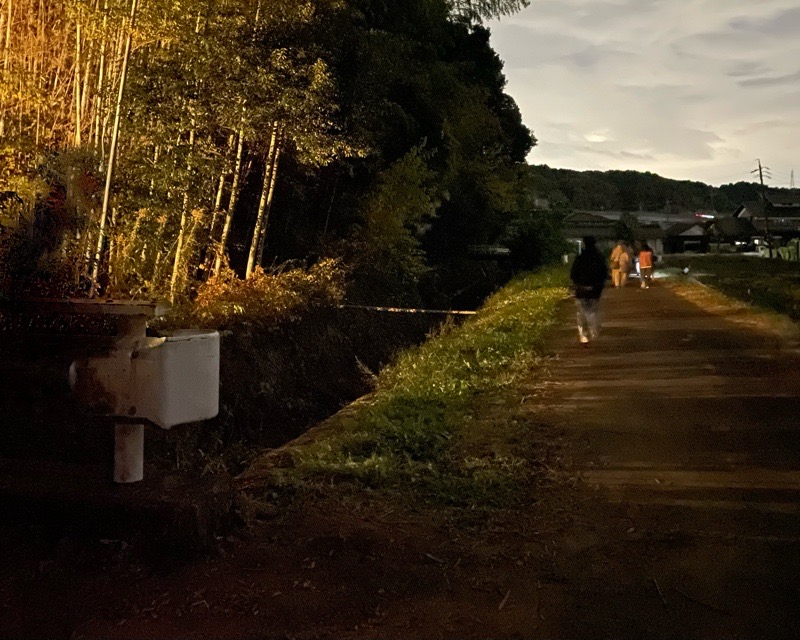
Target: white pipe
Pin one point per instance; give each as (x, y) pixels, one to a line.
(128, 452)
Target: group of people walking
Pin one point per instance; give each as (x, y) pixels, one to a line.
(589, 274)
(622, 262)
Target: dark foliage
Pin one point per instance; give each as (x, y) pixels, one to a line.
(635, 191)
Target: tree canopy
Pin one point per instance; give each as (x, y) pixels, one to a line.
(175, 138)
(635, 191)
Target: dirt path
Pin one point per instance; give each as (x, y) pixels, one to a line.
(685, 424)
(675, 515)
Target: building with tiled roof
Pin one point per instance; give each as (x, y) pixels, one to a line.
(780, 210)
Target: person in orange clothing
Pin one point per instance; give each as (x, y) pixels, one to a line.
(646, 265)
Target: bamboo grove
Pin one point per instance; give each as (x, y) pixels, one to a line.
(140, 136)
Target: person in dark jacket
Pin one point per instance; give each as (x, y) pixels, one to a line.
(589, 273)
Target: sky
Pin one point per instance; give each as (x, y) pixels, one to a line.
(687, 89)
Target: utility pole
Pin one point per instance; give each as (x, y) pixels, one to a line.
(791, 180)
(767, 235)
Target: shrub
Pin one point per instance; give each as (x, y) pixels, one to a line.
(263, 300)
(535, 240)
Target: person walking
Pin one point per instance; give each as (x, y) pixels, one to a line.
(646, 265)
(589, 273)
(625, 260)
(617, 254)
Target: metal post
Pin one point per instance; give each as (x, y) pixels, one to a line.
(765, 205)
(128, 453)
(129, 438)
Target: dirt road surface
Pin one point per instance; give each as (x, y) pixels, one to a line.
(673, 514)
(685, 424)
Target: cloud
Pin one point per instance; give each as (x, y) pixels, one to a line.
(593, 56)
(616, 153)
(743, 68)
(651, 85)
(754, 127)
(785, 24)
(588, 14)
(636, 156)
(529, 47)
(773, 81)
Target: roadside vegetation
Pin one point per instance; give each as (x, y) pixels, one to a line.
(266, 300)
(257, 164)
(769, 284)
(413, 433)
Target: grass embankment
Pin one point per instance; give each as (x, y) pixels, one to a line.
(769, 284)
(414, 432)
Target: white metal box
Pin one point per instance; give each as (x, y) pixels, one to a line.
(168, 380)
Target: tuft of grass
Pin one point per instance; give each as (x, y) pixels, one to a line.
(411, 435)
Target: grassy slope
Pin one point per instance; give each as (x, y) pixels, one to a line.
(418, 430)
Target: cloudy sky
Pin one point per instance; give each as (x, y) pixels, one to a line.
(688, 89)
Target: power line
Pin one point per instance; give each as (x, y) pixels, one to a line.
(730, 179)
(782, 176)
(729, 173)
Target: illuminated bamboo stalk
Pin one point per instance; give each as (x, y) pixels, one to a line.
(262, 202)
(155, 164)
(259, 239)
(112, 242)
(87, 67)
(226, 228)
(217, 209)
(112, 151)
(113, 79)
(176, 265)
(263, 237)
(211, 247)
(6, 62)
(78, 84)
(101, 66)
(87, 255)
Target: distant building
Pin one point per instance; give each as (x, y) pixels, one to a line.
(779, 211)
(686, 237)
(697, 231)
(603, 226)
(737, 232)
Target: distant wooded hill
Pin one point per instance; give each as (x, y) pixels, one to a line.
(635, 191)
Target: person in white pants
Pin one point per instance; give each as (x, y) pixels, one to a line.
(589, 273)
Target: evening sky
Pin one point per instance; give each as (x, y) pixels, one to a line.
(688, 89)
